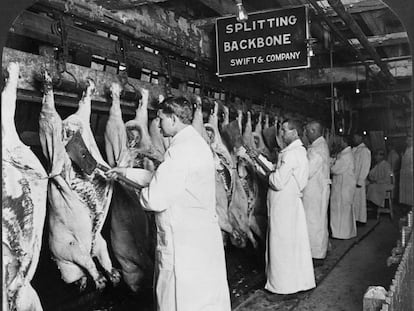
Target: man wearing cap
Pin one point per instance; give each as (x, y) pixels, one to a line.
(362, 160)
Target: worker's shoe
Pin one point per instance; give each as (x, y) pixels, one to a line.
(318, 262)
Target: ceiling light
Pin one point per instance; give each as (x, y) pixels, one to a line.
(241, 12)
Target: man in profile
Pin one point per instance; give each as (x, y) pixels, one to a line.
(190, 270)
(289, 261)
(316, 193)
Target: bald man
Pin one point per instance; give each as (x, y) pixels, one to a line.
(316, 193)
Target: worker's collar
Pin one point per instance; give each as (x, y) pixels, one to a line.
(294, 144)
(182, 135)
(317, 141)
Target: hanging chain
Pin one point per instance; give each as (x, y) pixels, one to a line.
(60, 28)
(123, 74)
(166, 68)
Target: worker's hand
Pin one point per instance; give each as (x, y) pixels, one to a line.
(148, 165)
(252, 153)
(113, 173)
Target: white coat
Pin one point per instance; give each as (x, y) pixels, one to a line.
(289, 266)
(379, 178)
(316, 197)
(190, 271)
(343, 225)
(362, 164)
(406, 177)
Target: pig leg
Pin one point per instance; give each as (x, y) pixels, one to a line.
(27, 299)
(101, 253)
(85, 261)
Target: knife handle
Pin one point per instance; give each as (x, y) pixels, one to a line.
(123, 179)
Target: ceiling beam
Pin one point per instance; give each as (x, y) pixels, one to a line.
(356, 7)
(383, 40)
(389, 39)
(322, 76)
(125, 4)
(222, 7)
(351, 23)
(150, 25)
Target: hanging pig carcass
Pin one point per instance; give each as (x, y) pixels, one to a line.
(78, 203)
(224, 180)
(131, 229)
(24, 188)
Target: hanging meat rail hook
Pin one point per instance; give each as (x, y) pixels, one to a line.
(123, 74)
(166, 66)
(60, 28)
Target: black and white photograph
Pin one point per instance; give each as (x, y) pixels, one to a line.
(207, 155)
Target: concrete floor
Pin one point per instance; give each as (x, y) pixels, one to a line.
(364, 265)
(342, 287)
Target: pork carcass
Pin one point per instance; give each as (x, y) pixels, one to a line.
(131, 232)
(238, 205)
(250, 181)
(224, 180)
(159, 142)
(115, 132)
(24, 189)
(259, 144)
(138, 138)
(78, 203)
(198, 123)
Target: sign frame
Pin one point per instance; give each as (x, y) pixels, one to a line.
(307, 33)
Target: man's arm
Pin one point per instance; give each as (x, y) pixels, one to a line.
(365, 165)
(164, 187)
(280, 177)
(315, 163)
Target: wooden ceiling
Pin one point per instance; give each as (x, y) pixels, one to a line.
(366, 35)
(367, 42)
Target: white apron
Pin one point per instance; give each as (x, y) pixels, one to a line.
(406, 177)
(316, 197)
(362, 164)
(190, 270)
(289, 266)
(343, 225)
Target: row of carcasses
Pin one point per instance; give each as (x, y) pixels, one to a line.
(79, 203)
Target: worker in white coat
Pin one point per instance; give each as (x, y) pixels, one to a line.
(289, 266)
(316, 193)
(362, 162)
(406, 174)
(379, 180)
(190, 270)
(342, 218)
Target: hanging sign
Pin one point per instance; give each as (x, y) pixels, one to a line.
(267, 41)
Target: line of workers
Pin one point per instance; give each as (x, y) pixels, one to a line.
(190, 270)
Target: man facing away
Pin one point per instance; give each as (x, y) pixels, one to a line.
(343, 225)
(190, 269)
(288, 256)
(362, 161)
(316, 193)
(379, 179)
